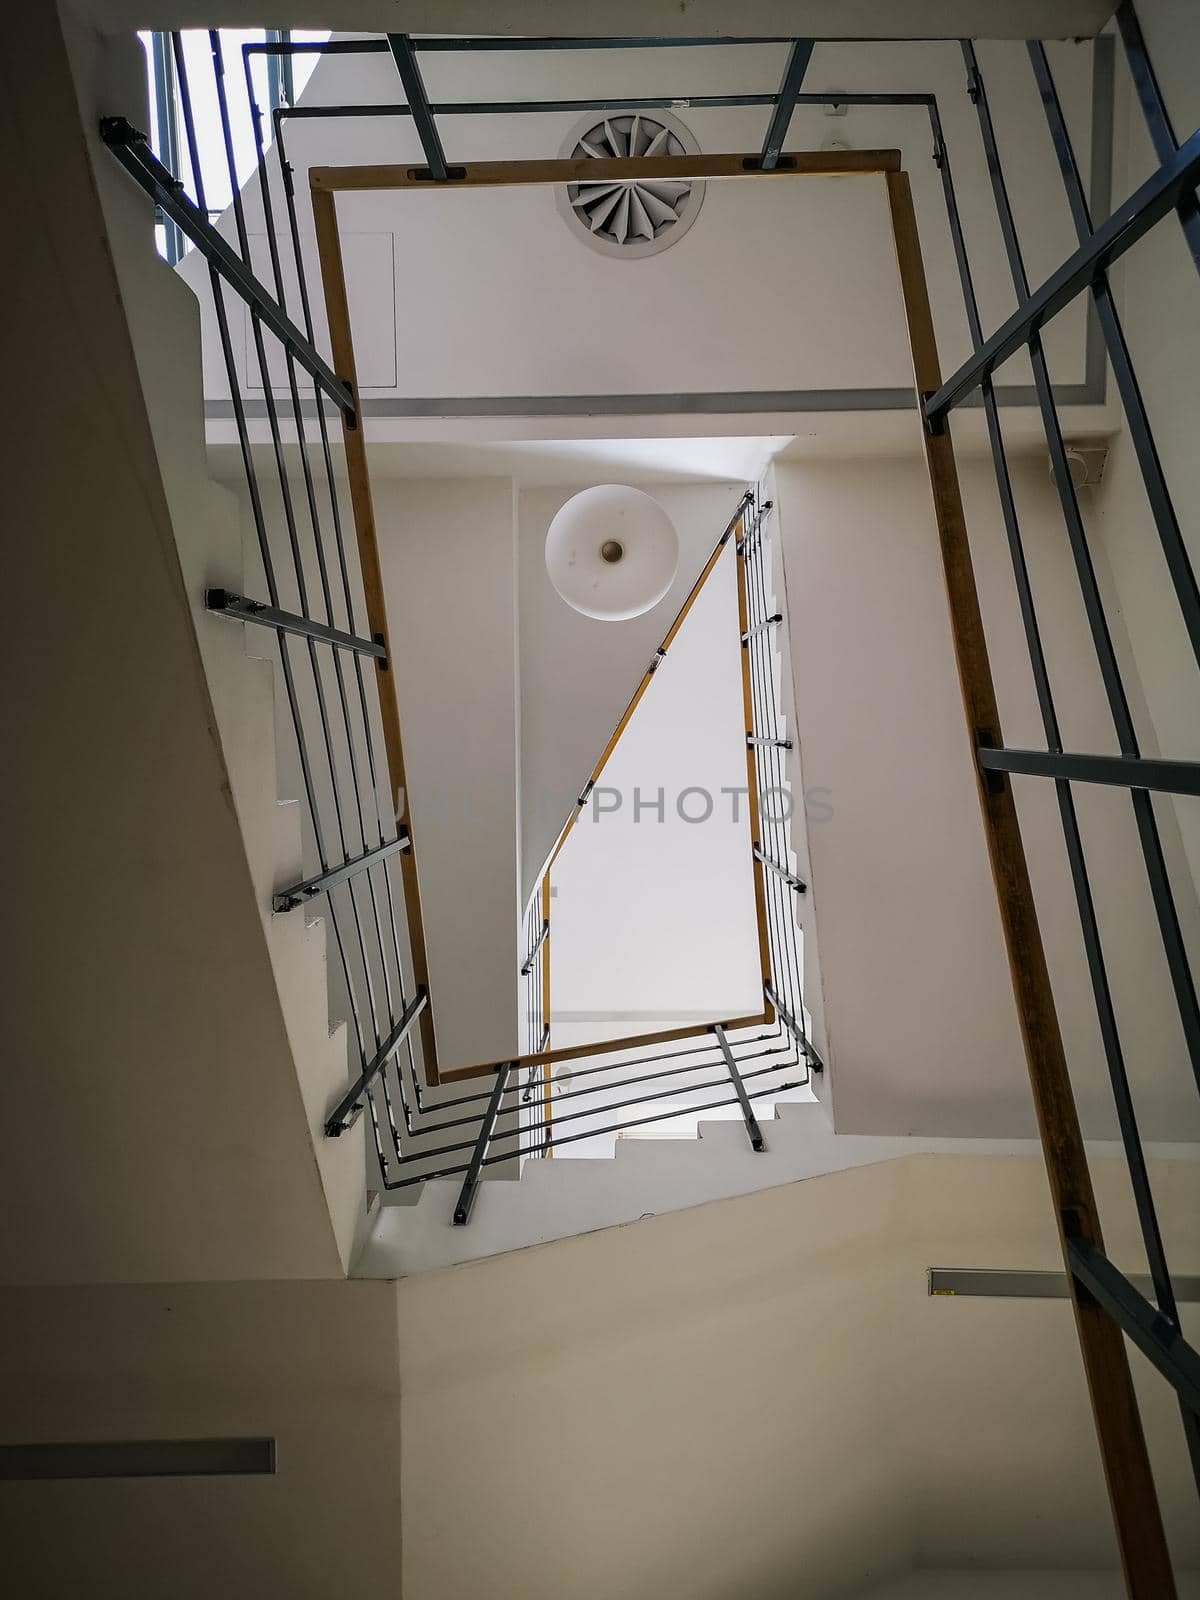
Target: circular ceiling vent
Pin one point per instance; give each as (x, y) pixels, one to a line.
(637, 218)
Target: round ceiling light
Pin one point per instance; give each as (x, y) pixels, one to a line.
(612, 552)
(637, 218)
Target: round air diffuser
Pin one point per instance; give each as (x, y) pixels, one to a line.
(637, 218)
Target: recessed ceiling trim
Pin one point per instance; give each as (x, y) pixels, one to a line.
(747, 402)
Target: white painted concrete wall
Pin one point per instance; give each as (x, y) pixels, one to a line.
(767, 292)
(653, 913)
(734, 1398)
(449, 564)
(759, 1396)
(312, 1365)
(160, 1115)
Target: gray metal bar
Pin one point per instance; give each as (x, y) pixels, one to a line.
(756, 741)
(761, 627)
(1158, 121)
(300, 893)
(133, 152)
(1166, 912)
(466, 1196)
(391, 1184)
(1126, 772)
(346, 1112)
(223, 602)
(418, 103)
(1112, 239)
(794, 1028)
(1005, 1284)
(739, 1088)
(1157, 1337)
(527, 964)
(789, 878)
(137, 1458)
(785, 102)
(1141, 435)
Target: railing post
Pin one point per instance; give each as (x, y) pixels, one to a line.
(466, 1197)
(544, 1044)
(739, 1088)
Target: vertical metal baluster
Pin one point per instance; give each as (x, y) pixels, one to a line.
(787, 975)
(1158, 122)
(1138, 422)
(260, 525)
(327, 596)
(1143, 809)
(290, 521)
(1093, 948)
(343, 565)
(487, 1126)
(753, 1131)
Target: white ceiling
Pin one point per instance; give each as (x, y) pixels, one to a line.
(869, 19)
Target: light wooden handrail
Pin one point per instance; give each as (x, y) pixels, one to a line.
(333, 278)
(618, 169)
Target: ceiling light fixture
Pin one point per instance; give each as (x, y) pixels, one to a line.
(612, 552)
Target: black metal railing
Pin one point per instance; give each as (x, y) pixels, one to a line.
(312, 600)
(1087, 271)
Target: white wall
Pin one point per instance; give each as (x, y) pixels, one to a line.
(653, 914)
(159, 1119)
(759, 1396)
(732, 1398)
(449, 563)
(918, 1006)
(769, 291)
(311, 1365)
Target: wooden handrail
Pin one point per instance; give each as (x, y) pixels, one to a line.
(618, 169)
(333, 278)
